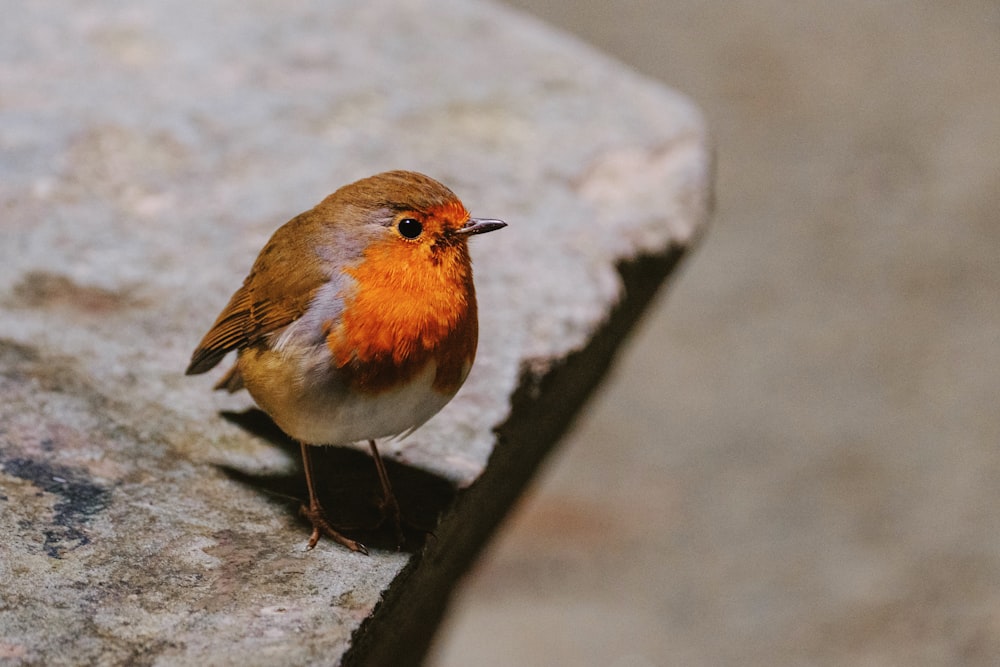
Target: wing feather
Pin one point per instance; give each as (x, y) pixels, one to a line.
(277, 292)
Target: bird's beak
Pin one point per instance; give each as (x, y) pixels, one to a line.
(480, 226)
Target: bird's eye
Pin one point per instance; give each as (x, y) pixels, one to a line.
(410, 228)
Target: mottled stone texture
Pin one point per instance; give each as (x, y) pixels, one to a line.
(148, 151)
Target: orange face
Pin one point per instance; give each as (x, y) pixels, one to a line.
(412, 302)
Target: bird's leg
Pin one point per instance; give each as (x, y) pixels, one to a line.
(317, 517)
(389, 505)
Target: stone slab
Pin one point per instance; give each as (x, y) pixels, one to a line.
(146, 154)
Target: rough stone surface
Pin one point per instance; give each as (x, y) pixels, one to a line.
(146, 153)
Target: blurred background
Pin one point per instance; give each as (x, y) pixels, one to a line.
(796, 460)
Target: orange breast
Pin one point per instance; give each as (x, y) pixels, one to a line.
(409, 306)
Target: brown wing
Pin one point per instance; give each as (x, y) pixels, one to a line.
(243, 323)
(279, 289)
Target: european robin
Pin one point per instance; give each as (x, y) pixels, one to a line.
(358, 320)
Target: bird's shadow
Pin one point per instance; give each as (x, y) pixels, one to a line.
(348, 488)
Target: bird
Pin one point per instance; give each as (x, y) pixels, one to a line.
(358, 321)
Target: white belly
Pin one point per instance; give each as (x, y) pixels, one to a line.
(314, 407)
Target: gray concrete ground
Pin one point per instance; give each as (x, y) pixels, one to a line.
(147, 152)
(797, 461)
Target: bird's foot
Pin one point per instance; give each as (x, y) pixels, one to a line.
(321, 527)
(389, 512)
